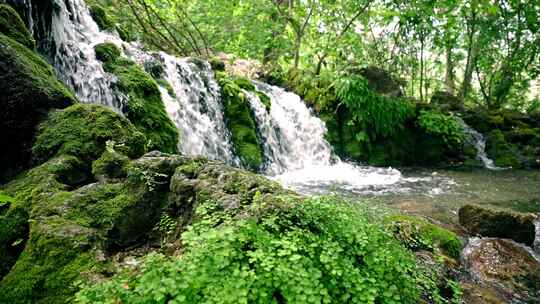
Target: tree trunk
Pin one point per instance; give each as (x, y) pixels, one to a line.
(449, 79)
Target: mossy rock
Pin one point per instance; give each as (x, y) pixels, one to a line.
(418, 234)
(107, 52)
(70, 229)
(503, 154)
(447, 101)
(102, 18)
(13, 236)
(241, 122)
(144, 108)
(83, 130)
(29, 89)
(111, 164)
(498, 223)
(13, 27)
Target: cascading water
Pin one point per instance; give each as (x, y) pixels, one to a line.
(295, 150)
(479, 143)
(536, 244)
(196, 109)
(299, 156)
(75, 34)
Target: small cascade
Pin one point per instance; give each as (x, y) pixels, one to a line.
(196, 109)
(293, 137)
(479, 143)
(75, 34)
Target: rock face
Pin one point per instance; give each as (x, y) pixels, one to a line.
(498, 223)
(29, 89)
(506, 271)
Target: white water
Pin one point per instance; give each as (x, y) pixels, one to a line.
(479, 143)
(75, 34)
(298, 155)
(197, 110)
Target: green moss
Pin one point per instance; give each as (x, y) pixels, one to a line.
(241, 123)
(417, 233)
(100, 16)
(28, 89)
(56, 254)
(13, 236)
(265, 100)
(13, 27)
(125, 33)
(83, 131)
(145, 108)
(107, 52)
(244, 83)
(503, 154)
(110, 164)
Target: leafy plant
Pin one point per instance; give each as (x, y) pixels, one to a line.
(375, 115)
(445, 126)
(322, 250)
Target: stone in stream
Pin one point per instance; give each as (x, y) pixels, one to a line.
(500, 271)
(498, 223)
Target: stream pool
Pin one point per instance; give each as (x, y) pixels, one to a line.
(437, 194)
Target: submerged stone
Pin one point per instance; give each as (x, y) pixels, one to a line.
(507, 270)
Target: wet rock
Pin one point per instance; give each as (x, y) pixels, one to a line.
(381, 81)
(504, 269)
(498, 223)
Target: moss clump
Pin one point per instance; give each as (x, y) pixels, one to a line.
(83, 131)
(503, 154)
(100, 16)
(13, 27)
(241, 123)
(13, 236)
(265, 100)
(29, 89)
(107, 52)
(110, 164)
(145, 108)
(417, 234)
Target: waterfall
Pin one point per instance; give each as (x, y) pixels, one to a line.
(293, 138)
(75, 34)
(196, 109)
(479, 143)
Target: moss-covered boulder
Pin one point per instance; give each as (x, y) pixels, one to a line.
(72, 229)
(419, 234)
(83, 131)
(101, 17)
(503, 154)
(13, 27)
(241, 122)
(29, 89)
(13, 236)
(111, 164)
(144, 108)
(498, 223)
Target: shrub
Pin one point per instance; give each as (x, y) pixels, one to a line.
(317, 251)
(445, 126)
